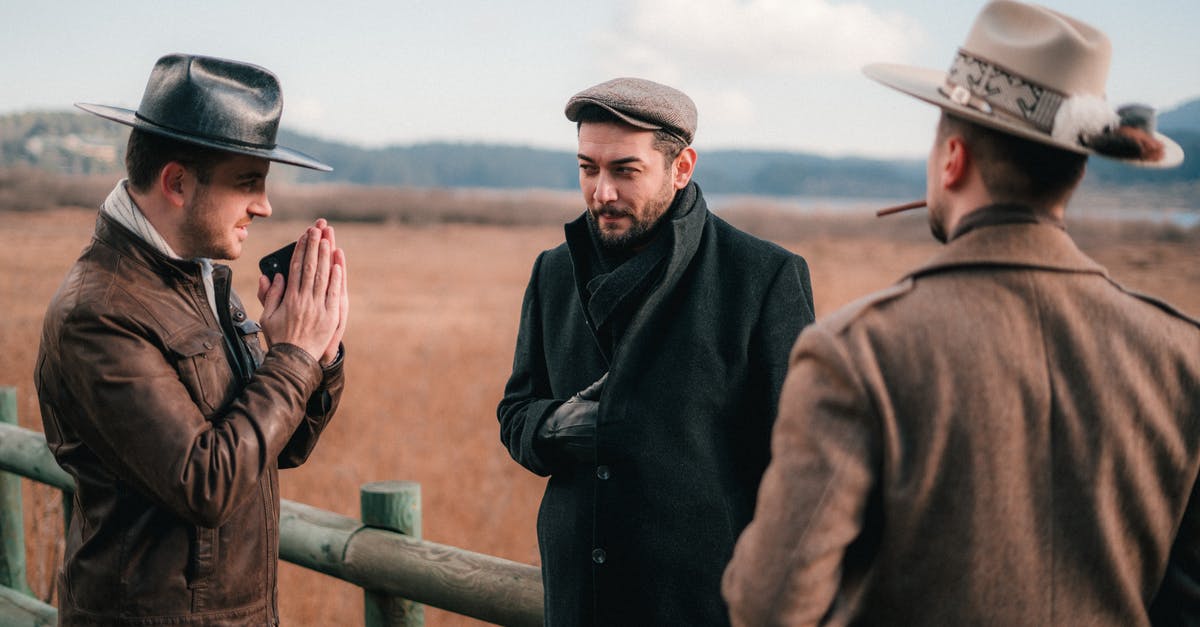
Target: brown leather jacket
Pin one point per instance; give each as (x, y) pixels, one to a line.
(174, 426)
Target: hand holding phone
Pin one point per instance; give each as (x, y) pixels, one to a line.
(277, 262)
(302, 313)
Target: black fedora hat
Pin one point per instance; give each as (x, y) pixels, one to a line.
(217, 103)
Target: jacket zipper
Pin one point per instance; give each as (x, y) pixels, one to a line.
(272, 556)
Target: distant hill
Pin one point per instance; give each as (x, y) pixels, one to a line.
(62, 141)
(438, 164)
(1181, 124)
(500, 166)
(78, 143)
(1185, 117)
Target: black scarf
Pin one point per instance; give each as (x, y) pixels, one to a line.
(612, 285)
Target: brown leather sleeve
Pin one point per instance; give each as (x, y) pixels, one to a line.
(135, 411)
(321, 407)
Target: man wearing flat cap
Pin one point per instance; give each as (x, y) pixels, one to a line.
(155, 390)
(650, 353)
(1006, 436)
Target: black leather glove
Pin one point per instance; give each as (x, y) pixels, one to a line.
(571, 428)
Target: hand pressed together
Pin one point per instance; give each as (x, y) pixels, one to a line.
(310, 309)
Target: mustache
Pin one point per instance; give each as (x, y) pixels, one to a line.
(611, 211)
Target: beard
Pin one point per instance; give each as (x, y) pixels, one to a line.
(641, 229)
(203, 235)
(936, 229)
(937, 222)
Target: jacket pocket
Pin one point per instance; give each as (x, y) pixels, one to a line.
(202, 563)
(202, 366)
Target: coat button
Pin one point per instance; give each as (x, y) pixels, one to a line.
(603, 473)
(239, 315)
(598, 556)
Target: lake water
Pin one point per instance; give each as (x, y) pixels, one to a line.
(1132, 205)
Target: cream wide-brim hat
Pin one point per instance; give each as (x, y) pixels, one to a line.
(1030, 72)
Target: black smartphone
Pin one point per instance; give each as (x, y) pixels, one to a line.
(277, 262)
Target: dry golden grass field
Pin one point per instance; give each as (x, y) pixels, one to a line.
(429, 347)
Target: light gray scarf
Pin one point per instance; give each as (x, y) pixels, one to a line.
(120, 207)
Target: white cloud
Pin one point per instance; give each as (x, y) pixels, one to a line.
(734, 108)
(305, 114)
(670, 39)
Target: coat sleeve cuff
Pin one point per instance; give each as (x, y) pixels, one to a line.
(298, 360)
(336, 364)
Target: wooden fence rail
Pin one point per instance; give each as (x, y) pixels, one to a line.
(394, 569)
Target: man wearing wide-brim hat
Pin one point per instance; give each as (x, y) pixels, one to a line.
(156, 393)
(1006, 436)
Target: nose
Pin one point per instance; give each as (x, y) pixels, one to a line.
(261, 207)
(605, 191)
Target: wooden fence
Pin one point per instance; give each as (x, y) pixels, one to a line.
(383, 553)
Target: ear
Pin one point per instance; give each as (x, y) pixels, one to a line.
(684, 166)
(956, 160)
(173, 182)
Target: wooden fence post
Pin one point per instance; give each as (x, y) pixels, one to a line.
(395, 506)
(12, 519)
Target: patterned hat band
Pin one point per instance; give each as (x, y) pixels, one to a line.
(991, 89)
(1000, 93)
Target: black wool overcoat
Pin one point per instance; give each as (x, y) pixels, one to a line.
(683, 435)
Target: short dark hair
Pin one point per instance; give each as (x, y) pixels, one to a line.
(669, 145)
(1016, 169)
(148, 153)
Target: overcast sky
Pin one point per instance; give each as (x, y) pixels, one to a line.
(779, 74)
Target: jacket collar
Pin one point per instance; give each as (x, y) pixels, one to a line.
(130, 245)
(1030, 245)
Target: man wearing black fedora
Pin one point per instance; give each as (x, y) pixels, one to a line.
(156, 393)
(1006, 436)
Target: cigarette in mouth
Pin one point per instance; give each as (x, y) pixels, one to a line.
(887, 211)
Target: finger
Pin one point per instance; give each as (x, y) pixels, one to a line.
(320, 223)
(321, 282)
(327, 233)
(264, 284)
(298, 256)
(345, 311)
(312, 251)
(333, 296)
(339, 258)
(273, 296)
(344, 305)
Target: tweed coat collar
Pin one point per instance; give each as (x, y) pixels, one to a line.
(1028, 245)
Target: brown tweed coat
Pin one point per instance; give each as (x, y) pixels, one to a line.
(1006, 437)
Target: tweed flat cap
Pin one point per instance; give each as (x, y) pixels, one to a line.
(641, 103)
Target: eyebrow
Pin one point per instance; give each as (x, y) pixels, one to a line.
(621, 161)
